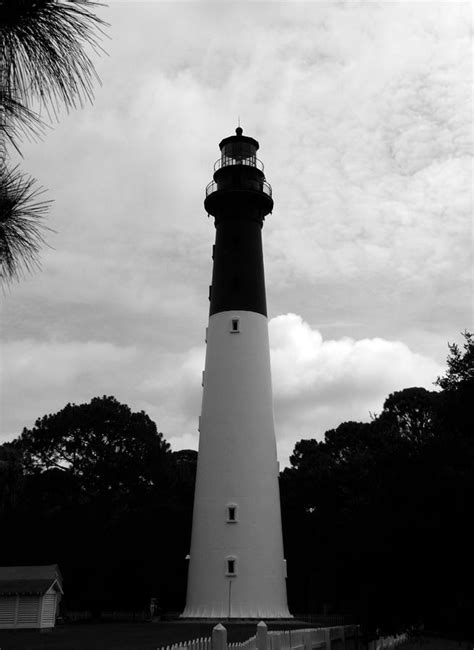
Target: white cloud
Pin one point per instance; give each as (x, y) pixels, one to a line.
(305, 364)
(318, 383)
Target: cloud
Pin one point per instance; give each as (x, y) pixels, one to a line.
(318, 383)
(40, 378)
(305, 364)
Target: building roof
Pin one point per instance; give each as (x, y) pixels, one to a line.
(33, 580)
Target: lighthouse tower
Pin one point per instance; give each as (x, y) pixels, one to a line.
(236, 565)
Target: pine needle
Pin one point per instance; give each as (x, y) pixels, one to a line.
(21, 224)
(42, 52)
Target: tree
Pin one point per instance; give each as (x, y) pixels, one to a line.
(351, 441)
(43, 63)
(42, 50)
(11, 476)
(460, 365)
(184, 464)
(376, 516)
(103, 444)
(114, 505)
(21, 222)
(454, 417)
(410, 412)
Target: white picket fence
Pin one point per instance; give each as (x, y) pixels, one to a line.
(306, 639)
(249, 644)
(388, 643)
(204, 643)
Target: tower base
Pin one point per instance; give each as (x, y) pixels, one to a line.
(219, 614)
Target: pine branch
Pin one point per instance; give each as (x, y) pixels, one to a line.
(21, 224)
(17, 121)
(41, 50)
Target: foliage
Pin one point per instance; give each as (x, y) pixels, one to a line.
(113, 505)
(17, 120)
(11, 476)
(99, 443)
(382, 510)
(460, 365)
(42, 50)
(22, 212)
(43, 64)
(410, 413)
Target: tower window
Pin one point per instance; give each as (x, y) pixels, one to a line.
(235, 326)
(231, 566)
(231, 513)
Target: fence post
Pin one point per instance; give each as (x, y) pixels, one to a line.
(262, 636)
(307, 639)
(327, 637)
(219, 637)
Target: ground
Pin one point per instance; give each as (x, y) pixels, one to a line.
(121, 636)
(437, 644)
(146, 636)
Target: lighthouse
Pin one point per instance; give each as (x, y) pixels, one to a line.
(236, 564)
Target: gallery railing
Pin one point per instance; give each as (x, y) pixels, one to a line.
(245, 184)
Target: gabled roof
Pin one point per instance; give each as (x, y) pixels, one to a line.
(33, 580)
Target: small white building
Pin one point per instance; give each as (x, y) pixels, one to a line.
(29, 596)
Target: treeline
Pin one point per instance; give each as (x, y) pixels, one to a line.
(376, 517)
(96, 489)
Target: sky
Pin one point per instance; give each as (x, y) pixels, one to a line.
(363, 111)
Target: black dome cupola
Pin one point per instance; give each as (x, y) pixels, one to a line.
(239, 148)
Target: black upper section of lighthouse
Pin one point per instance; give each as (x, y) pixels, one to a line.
(239, 198)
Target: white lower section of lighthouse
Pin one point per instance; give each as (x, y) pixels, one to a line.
(236, 566)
